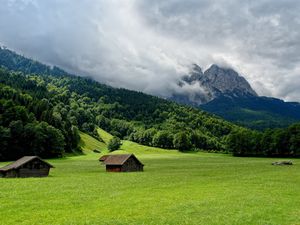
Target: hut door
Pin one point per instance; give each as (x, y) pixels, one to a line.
(117, 169)
(114, 169)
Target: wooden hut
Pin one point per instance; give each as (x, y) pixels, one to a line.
(27, 166)
(121, 163)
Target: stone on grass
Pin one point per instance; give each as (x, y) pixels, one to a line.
(282, 163)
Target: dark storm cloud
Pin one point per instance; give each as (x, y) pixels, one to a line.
(147, 45)
(258, 38)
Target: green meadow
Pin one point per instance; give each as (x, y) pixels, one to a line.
(175, 188)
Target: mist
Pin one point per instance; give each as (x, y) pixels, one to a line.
(148, 45)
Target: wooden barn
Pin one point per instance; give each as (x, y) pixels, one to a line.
(27, 166)
(121, 163)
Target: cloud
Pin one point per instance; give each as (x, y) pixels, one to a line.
(147, 45)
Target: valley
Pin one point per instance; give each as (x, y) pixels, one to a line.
(175, 188)
(139, 112)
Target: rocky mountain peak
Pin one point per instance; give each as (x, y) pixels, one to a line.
(226, 81)
(194, 75)
(198, 88)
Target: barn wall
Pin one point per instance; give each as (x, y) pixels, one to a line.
(113, 168)
(132, 165)
(25, 172)
(10, 174)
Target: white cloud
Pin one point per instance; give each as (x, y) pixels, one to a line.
(147, 45)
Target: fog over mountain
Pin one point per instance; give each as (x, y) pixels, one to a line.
(213, 83)
(149, 45)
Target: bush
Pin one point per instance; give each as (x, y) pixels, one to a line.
(114, 144)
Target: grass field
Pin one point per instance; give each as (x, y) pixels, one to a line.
(175, 188)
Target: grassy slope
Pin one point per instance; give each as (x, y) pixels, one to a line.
(175, 188)
(88, 143)
(104, 135)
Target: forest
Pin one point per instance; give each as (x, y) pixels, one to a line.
(42, 109)
(280, 142)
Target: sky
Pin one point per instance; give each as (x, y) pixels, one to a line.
(147, 45)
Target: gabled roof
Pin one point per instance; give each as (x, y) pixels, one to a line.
(22, 161)
(103, 158)
(118, 159)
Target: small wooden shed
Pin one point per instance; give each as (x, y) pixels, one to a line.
(27, 166)
(122, 163)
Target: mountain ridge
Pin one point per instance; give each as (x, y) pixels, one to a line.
(222, 91)
(235, 106)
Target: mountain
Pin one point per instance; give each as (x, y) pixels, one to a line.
(255, 112)
(42, 108)
(224, 92)
(199, 88)
(16, 62)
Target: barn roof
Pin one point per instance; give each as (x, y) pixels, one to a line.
(118, 159)
(103, 158)
(22, 161)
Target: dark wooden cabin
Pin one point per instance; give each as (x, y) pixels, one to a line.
(27, 166)
(121, 163)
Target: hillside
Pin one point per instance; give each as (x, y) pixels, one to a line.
(69, 103)
(89, 143)
(255, 112)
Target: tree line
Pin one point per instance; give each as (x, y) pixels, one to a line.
(284, 142)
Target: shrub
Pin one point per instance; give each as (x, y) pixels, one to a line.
(114, 144)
